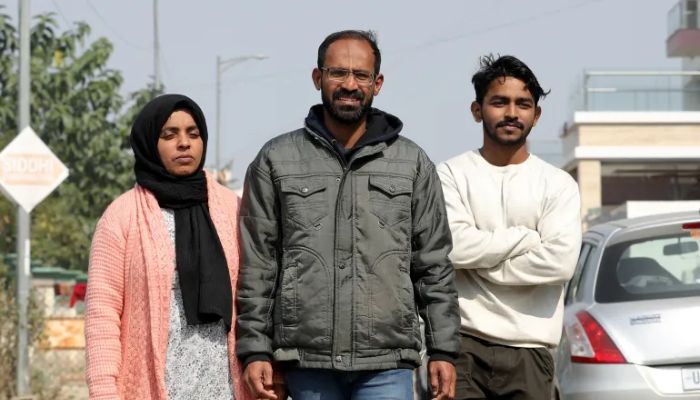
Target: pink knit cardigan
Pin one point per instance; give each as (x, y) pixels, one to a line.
(128, 294)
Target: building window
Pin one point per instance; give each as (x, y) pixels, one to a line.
(650, 181)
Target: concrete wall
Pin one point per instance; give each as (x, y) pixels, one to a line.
(59, 359)
(636, 135)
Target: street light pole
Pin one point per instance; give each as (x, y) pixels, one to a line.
(218, 113)
(156, 48)
(221, 67)
(23, 220)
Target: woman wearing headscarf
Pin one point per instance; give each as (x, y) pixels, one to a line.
(163, 269)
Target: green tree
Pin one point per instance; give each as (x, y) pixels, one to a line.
(78, 112)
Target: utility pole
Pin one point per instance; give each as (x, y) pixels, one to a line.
(221, 66)
(217, 159)
(156, 47)
(23, 220)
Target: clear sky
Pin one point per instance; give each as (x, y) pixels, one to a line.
(429, 52)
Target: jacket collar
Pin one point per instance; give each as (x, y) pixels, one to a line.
(382, 128)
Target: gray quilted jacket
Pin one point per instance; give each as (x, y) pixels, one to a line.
(341, 256)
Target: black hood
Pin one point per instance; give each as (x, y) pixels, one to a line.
(381, 127)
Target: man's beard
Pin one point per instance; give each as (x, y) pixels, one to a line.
(347, 114)
(525, 131)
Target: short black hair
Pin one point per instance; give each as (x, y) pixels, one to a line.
(368, 36)
(493, 67)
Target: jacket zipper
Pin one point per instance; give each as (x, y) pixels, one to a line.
(345, 166)
(345, 169)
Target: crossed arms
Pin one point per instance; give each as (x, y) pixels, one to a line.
(516, 255)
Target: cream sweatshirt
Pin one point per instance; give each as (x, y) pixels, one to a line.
(516, 233)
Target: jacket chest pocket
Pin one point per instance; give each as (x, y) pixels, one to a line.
(304, 200)
(390, 198)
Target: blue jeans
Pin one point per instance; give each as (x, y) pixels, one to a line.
(324, 384)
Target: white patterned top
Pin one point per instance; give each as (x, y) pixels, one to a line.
(197, 364)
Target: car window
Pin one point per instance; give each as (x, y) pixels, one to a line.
(654, 267)
(572, 286)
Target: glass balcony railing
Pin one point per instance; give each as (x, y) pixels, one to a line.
(674, 19)
(684, 15)
(639, 91)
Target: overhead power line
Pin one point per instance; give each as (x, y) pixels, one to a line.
(475, 32)
(113, 30)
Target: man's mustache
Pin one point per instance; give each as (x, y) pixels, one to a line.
(510, 123)
(355, 94)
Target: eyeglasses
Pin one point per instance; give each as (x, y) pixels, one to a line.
(342, 74)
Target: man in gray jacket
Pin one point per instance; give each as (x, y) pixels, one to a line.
(345, 242)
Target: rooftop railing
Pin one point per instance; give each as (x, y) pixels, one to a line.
(639, 91)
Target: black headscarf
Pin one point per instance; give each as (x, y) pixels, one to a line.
(200, 260)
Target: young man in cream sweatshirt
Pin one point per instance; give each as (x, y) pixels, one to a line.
(516, 233)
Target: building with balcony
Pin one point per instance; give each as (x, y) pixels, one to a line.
(683, 42)
(683, 30)
(633, 143)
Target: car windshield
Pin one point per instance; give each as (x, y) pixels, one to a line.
(650, 267)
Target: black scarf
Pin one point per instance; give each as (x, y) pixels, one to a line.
(200, 260)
